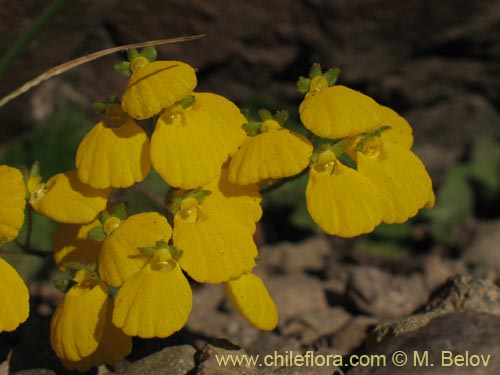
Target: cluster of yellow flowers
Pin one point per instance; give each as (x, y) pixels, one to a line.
(214, 161)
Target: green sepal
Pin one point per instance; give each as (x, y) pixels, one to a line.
(187, 102)
(367, 136)
(97, 234)
(35, 169)
(332, 75)
(281, 117)
(147, 251)
(173, 204)
(175, 252)
(245, 112)
(132, 54)
(265, 114)
(252, 128)
(99, 107)
(3, 239)
(63, 285)
(303, 84)
(315, 71)
(150, 53)
(103, 216)
(123, 68)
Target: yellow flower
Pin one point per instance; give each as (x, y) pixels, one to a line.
(113, 346)
(340, 200)
(78, 323)
(274, 153)
(400, 131)
(12, 202)
(65, 199)
(120, 258)
(250, 297)
(400, 176)
(338, 112)
(115, 153)
(240, 201)
(14, 298)
(189, 146)
(71, 245)
(216, 246)
(155, 86)
(156, 301)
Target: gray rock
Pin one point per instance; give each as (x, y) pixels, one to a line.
(175, 360)
(379, 293)
(460, 294)
(483, 251)
(210, 356)
(453, 343)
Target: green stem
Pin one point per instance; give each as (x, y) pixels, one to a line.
(25, 39)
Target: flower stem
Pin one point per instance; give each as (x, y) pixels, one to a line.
(25, 39)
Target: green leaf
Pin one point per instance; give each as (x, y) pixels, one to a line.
(485, 163)
(454, 205)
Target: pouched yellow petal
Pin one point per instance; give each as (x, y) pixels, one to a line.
(155, 302)
(66, 199)
(71, 244)
(12, 202)
(113, 156)
(216, 247)
(14, 298)
(156, 86)
(401, 178)
(272, 154)
(120, 257)
(78, 323)
(250, 297)
(188, 147)
(344, 202)
(338, 112)
(113, 347)
(239, 201)
(400, 132)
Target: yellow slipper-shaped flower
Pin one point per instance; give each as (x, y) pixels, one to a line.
(240, 201)
(340, 200)
(78, 323)
(12, 202)
(216, 247)
(14, 298)
(115, 153)
(274, 153)
(400, 132)
(339, 112)
(65, 199)
(400, 177)
(71, 245)
(113, 346)
(156, 301)
(156, 85)
(120, 258)
(189, 146)
(250, 297)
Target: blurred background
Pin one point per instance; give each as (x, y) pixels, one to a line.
(435, 62)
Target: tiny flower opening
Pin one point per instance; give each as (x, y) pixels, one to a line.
(138, 63)
(372, 147)
(111, 224)
(327, 163)
(190, 210)
(114, 116)
(318, 83)
(162, 259)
